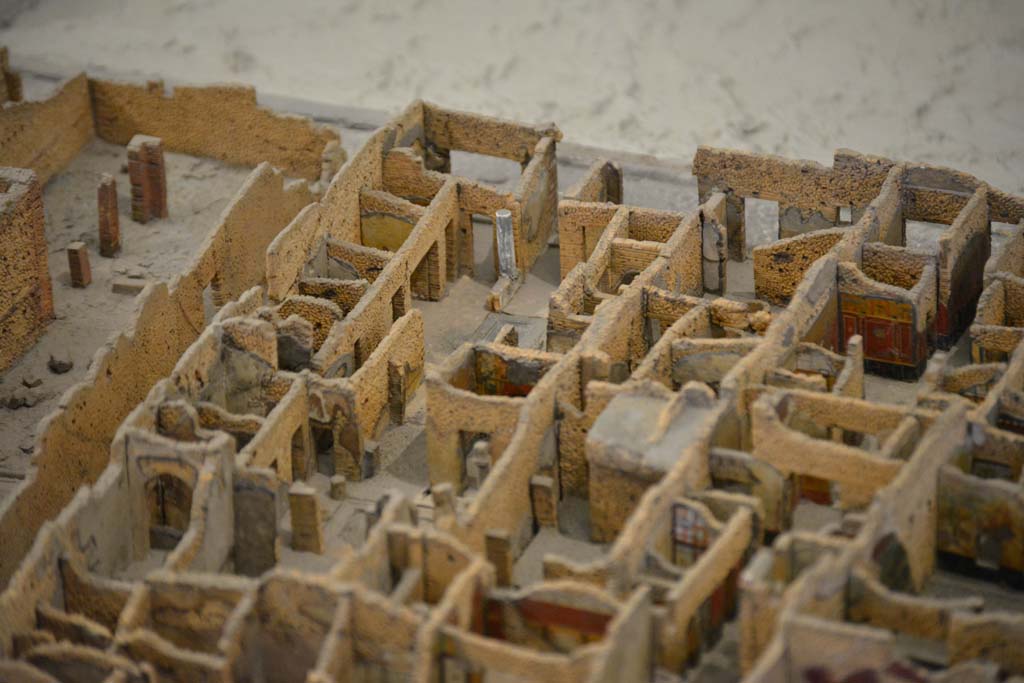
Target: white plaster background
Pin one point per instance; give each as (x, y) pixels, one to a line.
(930, 80)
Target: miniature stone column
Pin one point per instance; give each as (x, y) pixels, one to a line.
(713, 254)
(443, 496)
(148, 178)
(110, 227)
(506, 244)
(396, 391)
(498, 549)
(338, 484)
(78, 262)
(307, 533)
(545, 500)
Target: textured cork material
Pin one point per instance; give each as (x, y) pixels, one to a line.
(264, 479)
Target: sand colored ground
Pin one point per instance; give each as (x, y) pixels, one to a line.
(939, 82)
(86, 318)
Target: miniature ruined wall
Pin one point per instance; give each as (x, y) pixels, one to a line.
(791, 182)
(893, 265)
(602, 182)
(970, 509)
(398, 359)
(189, 612)
(580, 226)
(895, 322)
(446, 621)
(910, 507)
(629, 654)
(598, 263)
(896, 543)
(500, 659)
(288, 253)
(387, 219)
(577, 418)
(206, 546)
(859, 473)
(963, 251)
(95, 521)
(659, 363)
(74, 441)
(822, 321)
(447, 130)
(567, 319)
(383, 639)
(271, 446)
(406, 176)
(684, 254)
(26, 297)
(254, 218)
(1009, 259)
(91, 532)
(713, 568)
(287, 623)
(46, 135)
(625, 559)
(968, 381)
(872, 603)
(368, 322)
(618, 474)
(538, 193)
(504, 500)
(629, 256)
(780, 267)
(553, 631)
(993, 637)
(886, 214)
(931, 193)
(37, 579)
(223, 122)
(10, 81)
(534, 203)
(370, 565)
(452, 410)
(811, 311)
(998, 323)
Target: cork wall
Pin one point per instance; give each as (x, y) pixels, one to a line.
(46, 135)
(26, 298)
(222, 122)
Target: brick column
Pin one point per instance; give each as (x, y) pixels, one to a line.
(148, 178)
(307, 532)
(78, 262)
(110, 228)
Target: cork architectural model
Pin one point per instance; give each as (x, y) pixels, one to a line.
(386, 420)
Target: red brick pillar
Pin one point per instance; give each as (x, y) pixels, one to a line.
(110, 228)
(78, 262)
(148, 178)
